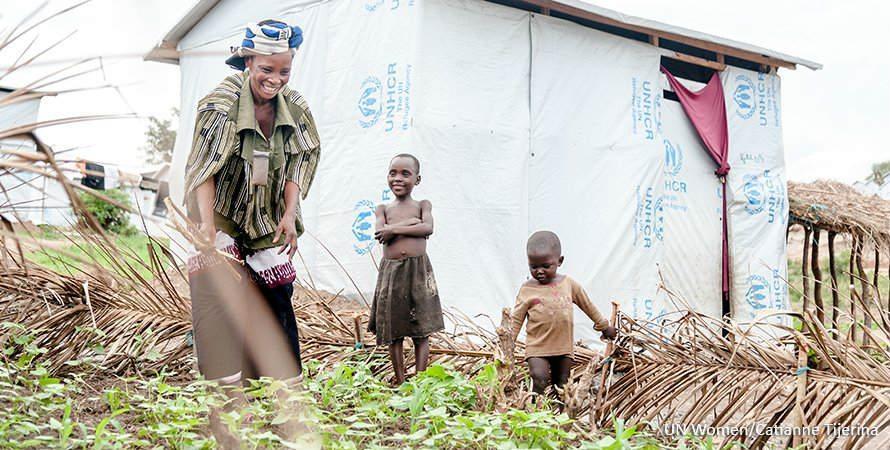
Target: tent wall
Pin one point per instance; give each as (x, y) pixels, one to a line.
(758, 206)
(596, 163)
(521, 122)
(29, 197)
(692, 215)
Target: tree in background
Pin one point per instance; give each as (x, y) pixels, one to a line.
(160, 136)
(111, 218)
(880, 173)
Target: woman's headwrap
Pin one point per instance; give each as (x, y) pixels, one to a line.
(266, 38)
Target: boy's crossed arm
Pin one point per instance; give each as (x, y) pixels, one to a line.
(413, 227)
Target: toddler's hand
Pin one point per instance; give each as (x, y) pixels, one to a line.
(610, 333)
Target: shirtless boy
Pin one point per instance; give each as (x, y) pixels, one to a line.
(406, 300)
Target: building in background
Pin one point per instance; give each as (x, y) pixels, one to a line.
(526, 115)
(27, 197)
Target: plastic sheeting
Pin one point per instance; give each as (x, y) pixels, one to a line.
(596, 171)
(521, 122)
(34, 198)
(692, 211)
(758, 200)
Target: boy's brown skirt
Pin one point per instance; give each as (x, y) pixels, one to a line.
(406, 301)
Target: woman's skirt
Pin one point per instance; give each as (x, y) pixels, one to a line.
(240, 311)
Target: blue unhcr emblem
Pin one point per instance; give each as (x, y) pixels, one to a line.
(743, 96)
(648, 218)
(372, 5)
(758, 292)
(658, 228)
(673, 158)
(754, 194)
(363, 227)
(370, 103)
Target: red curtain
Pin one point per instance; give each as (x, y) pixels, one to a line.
(706, 109)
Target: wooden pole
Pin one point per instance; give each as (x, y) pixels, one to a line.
(800, 418)
(875, 277)
(610, 347)
(854, 248)
(835, 296)
(505, 358)
(881, 313)
(817, 277)
(804, 268)
(866, 291)
(357, 331)
(506, 342)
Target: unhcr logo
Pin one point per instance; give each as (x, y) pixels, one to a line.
(363, 227)
(645, 108)
(743, 97)
(372, 5)
(775, 197)
(780, 289)
(386, 99)
(755, 195)
(673, 158)
(659, 219)
(370, 103)
(758, 292)
(765, 192)
(648, 218)
(391, 5)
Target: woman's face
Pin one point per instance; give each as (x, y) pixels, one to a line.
(268, 74)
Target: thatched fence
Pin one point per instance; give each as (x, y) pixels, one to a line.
(829, 210)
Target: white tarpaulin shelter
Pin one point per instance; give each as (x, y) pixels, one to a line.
(524, 118)
(40, 200)
(29, 197)
(871, 188)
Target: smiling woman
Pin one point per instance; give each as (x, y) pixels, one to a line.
(253, 156)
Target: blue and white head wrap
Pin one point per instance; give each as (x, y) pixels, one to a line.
(266, 38)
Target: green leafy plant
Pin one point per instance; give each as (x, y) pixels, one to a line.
(341, 407)
(111, 218)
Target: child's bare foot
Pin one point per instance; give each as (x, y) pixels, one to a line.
(224, 438)
(397, 381)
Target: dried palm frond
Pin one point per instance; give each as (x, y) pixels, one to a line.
(692, 370)
(762, 377)
(838, 207)
(689, 369)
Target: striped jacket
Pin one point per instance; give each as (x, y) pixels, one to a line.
(226, 136)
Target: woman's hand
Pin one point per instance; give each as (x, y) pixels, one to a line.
(610, 333)
(287, 229)
(207, 230)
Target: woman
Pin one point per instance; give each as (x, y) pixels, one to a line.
(254, 155)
